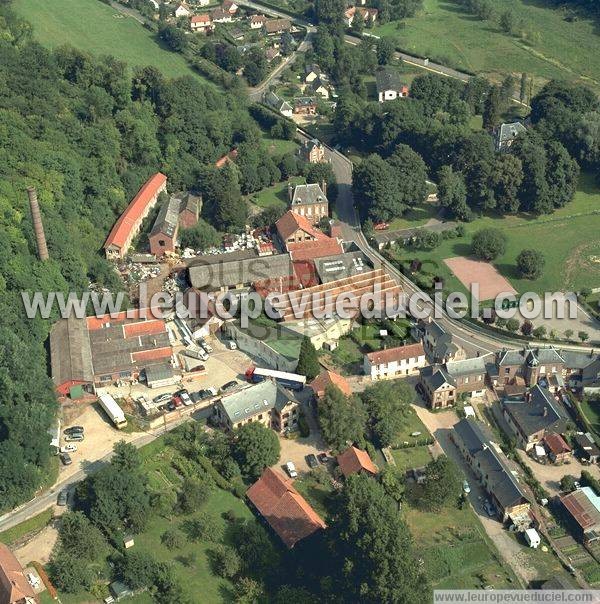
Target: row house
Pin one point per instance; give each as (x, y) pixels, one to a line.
(394, 362)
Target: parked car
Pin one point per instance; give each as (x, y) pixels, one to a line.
(184, 395)
(162, 398)
(68, 448)
(176, 400)
(205, 345)
(312, 461)
(489, 509)
(76, 437)
(66, 459)
(291, 469)
(323, 457)
(228, 386)
(63, 498)
(198, 369)
(75, 430)
(203, 394)
(171, 406)
(231, 345)
(466, 487)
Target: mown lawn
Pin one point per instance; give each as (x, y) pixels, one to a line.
(455, 551)
(411, 457)
(554, 47)
(95, 27)
(569, 239)
(277, 195)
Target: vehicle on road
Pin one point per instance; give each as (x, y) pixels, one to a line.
(63, 498)
(71, 448)
(66, 459)
(75, 430)
(184, 395)
(162, 398)
(207, 347)
(198, 369)
(75, 437)
(312, 461)
(229, 386)
(466, 488)
(112, 409)
(323, 457)
(290, 468)
(231, 345)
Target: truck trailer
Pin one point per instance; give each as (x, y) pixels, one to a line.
(112, 409)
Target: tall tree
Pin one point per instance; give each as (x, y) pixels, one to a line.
(452, 193)
(342, 419)
(256, 447)
(308, 360)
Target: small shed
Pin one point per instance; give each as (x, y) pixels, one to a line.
(128, 541)
(532, 537)
(119, 590)
(469, 411)
(159, 375)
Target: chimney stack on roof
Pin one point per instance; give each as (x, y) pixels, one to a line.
(38, 226)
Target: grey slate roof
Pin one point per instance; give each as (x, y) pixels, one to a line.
(541, 412)
(192, 203)
(435, 376)
(158, 371)
(70, 351)
(388, 79)
(167, 218)
(502, 483)
(339, 266)
(248, 402)
(508, 132)
(309, 193)
(472, 366)
(274, 101)
(531, 356)
(212, 272)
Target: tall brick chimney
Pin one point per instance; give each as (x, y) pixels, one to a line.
(38, 226)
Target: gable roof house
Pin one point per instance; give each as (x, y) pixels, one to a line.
(437, 342)
(534, 416)
(356, 461)
(182, 10)
(277, 26)
(437, 387)
(201, 22)
(394, 362)
(271, 99)
(163, 236)
(329, 378)
(389, 85)
(583, 509)
(266, 402)
(506, 134)
(257, 21)
(320, 86)
(311, 72)
(218, 15)
(283, 508)
(557, 447)
(128, 224)
(528, 365)
(14, 586)
(586, 447)
(491, 467)
(312, 151)
(229, 6)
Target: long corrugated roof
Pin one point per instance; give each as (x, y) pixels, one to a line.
(132, 213)
(70, 352)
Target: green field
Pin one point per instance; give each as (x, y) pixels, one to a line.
(411, 457)
(456, 552)
(277, 195)
(99, 29)
(550, 48)
(569, 239)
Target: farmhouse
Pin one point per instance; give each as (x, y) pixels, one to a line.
(266, 402)
(277, 26)
(128, 225)
(14, 587)
(536, 414)
(491, 467)
(329, 378)
(283, 508)
(201, 22)
(389, 85)
(583, 509)
(394, 362)
(356, 461)
(309, 201)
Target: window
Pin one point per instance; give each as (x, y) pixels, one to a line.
(105, 378)
(260, 416)
(161, 242)
(125, 374)
(507, 370)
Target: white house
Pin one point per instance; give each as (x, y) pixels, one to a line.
(182, 10)
(221, 16)
(394, 362)
(389, 86)
(200, 22)
(257, 21)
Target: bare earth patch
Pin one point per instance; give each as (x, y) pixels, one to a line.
(468, 272)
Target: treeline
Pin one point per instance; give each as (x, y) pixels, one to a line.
(87, 132)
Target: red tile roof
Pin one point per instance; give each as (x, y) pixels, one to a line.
(286, 511)
(353, 460)
(201, 19)
(134, 211)
(303, 251)
(396, 354)
(326, 378)
(151, 355)
(556, 444)
(144, 328)
(305, 273)
(290, 222)
(98, 322)
(14, 587)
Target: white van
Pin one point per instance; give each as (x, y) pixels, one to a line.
(291, 469)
